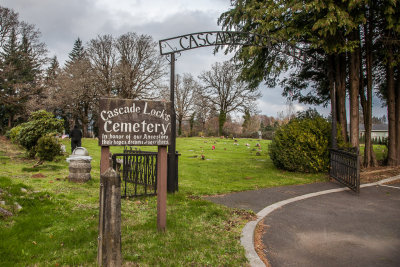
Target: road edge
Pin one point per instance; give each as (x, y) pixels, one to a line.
(247, 238)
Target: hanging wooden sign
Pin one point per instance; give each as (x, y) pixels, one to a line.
(127, 122)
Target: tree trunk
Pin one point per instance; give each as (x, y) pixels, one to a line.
(180, 125)
(369, 155)
(366, 104)
(10, 121)
(332, 90)
(191, 124)
(221, 122)
(340, 79)
(397, 118)
(354, 79)
(392, 159)
(85, 121)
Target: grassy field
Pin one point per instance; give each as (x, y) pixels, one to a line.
(58, 222)
(380, 151)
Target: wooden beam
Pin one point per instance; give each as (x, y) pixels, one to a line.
(162, 188)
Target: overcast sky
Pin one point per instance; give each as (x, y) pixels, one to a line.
(62, 22)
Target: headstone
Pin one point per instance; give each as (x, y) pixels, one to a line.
(79, 165)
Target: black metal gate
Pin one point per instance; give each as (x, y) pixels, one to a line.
(345, 167)
(138, 172)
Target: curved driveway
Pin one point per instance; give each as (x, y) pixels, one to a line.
(338, 229)
(335, 229)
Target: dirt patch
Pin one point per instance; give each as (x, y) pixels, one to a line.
(245, 214)
(38, 175)
(259, 246)
(374, 174)
(239, 216)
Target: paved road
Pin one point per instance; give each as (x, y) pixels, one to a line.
(256, 200)
(337, 229)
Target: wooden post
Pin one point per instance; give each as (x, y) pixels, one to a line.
(105, 159)
(101, 224)
(162, 188)
(109, 250)
(104, 165)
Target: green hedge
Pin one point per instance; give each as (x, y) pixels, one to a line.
(302, 144)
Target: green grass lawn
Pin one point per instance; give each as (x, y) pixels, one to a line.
(58, 222)
(380, 151)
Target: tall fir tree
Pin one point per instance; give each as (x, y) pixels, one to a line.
(53, 70)
(13, 91)
(346, 37)
(77, 53)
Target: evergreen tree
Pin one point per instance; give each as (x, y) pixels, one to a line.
(77, 53)
(53, 70)
(344, 37)
(29, 68)
(10, 61)
(19, 73)
(21, 59)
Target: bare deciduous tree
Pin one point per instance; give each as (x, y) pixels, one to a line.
(186, 88)
(103, 57)
(203, 109)
(78, 93)
(223, 89)
(140, 67)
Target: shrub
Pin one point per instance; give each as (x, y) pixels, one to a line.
(13, 134)
(40, 123)
(302, 144)
(48, 148)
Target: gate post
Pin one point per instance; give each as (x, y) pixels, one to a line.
(162, 188)
(104, 165)
(172, 172)
(109, 250)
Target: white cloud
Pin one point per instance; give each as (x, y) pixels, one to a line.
(62, 22)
